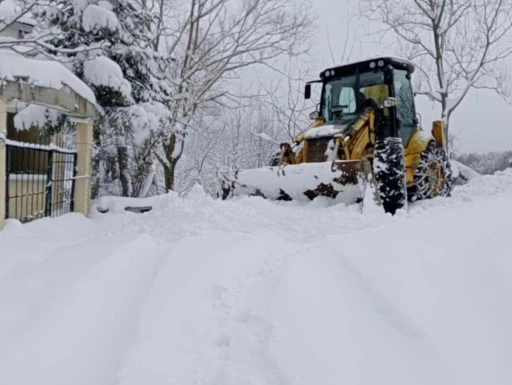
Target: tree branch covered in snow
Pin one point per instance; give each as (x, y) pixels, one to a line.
(159, 70)
(211, 46)
(457, 45)
(108, 45)
(229, 140)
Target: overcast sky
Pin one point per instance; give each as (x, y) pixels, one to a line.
(484, 120)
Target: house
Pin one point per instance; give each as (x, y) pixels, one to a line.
(38, 177)
(19, 29)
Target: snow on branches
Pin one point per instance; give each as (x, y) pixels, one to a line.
(457, 45)
(215, 42)
(158, 68)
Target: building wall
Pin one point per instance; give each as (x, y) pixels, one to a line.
(17, 30)
(10, 32)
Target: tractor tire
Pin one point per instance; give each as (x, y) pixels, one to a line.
(389, 171)
(433, 176)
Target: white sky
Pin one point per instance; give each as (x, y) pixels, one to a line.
(483, 120)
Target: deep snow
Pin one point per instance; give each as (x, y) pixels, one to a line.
(249, 291)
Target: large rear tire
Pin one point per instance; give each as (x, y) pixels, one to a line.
(433, 176)
(389, 170)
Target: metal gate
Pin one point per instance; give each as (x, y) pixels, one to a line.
(40, 181)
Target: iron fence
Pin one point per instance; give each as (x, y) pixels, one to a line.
(40, 180)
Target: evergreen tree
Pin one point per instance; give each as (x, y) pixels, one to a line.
(118, 63)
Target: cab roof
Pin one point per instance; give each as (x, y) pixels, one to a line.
(364, 65)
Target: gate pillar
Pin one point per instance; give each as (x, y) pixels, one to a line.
(3, 171)
(84, 167)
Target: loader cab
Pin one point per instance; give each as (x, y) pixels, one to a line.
(383, 83)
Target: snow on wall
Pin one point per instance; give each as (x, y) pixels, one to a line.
(35, 146)
(35, 116)
(42, 73)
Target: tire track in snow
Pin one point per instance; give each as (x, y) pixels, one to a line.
(27, 295)
(243, 346)
(94, 314)
(197, 313)
(382, 305)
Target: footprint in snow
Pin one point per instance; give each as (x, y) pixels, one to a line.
(261, 328)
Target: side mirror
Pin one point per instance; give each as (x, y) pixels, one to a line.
(314, 115)
(389, 102)
(307, 91)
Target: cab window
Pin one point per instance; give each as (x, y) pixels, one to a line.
(405, 106)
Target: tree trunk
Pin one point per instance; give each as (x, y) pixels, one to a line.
(124, 172)
(169, 176)
(446, 123)
(147, 181)
(172, 157)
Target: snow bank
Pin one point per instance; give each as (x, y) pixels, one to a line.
(119, 204)
(43, 73)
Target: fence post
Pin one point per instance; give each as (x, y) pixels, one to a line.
(84, 168)
(3, 171)
(49, 186)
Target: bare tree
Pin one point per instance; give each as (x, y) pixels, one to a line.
(214, 42)
(285, 98)
(233, 139)
(344, 49)
(457, 45)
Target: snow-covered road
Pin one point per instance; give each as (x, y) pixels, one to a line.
(260, 293)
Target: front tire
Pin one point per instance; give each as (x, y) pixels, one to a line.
(433, 176)
(389, 170)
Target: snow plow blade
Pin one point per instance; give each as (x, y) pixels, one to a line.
(343, 181)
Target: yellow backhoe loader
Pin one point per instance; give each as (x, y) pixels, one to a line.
(364, 132)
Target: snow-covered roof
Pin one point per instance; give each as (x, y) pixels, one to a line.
(41, 73)
(27, 20)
